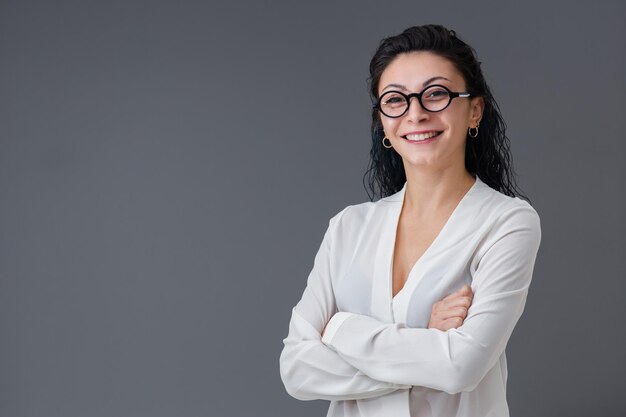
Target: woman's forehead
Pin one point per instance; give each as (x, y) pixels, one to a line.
(415, 70)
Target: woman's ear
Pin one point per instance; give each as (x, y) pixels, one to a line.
(476, 113)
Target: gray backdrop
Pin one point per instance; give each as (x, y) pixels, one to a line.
(168, 169)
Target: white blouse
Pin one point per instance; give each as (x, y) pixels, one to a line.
(377, 356)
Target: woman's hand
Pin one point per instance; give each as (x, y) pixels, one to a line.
(450, 312)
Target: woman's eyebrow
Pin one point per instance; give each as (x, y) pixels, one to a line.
(430, 80)
(399, 86)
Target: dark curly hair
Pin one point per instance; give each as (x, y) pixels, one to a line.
(487, 156)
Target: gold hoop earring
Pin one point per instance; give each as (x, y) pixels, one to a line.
(469, 131)
(390, 145)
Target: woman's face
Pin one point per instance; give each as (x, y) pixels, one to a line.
(423, 138)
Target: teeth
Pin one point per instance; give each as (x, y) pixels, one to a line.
(421, 136)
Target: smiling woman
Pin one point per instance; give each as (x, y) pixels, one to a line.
(425, 133)
(412, 298)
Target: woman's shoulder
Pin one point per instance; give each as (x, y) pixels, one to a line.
(353, 215)
(502, 208)
(355, 218)
(499, 201)
(361, 212)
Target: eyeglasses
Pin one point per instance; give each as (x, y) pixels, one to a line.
(433, 98)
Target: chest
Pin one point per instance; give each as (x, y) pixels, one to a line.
(429, 264)
(413, 238)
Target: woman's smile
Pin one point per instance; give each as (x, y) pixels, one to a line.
(422, 137)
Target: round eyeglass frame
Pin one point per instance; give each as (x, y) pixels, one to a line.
(407, 98)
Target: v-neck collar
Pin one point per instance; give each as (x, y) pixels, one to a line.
(382, 299)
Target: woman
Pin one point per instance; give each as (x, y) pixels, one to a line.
(371, 333)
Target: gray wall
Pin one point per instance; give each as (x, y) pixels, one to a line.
(168, 169)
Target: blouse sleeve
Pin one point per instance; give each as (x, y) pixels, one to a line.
(458, 359)
(309, 369)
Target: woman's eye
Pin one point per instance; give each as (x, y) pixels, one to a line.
(394, 101)
(436, 94)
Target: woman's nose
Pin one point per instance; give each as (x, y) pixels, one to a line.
(415, 111)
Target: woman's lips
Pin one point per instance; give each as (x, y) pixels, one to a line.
(422, 137)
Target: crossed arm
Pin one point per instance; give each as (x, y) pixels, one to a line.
(360, 357)
(309, 369)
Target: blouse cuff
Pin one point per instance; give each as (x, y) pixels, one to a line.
(333, 326)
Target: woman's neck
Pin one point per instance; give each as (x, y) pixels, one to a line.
(429, 191)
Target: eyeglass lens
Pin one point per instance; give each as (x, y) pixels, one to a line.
(395, 104)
